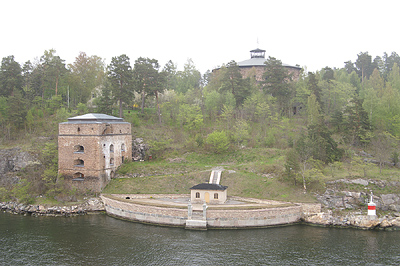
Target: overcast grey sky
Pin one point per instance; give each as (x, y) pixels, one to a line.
(313, 34)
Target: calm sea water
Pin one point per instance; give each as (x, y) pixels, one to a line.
(102, 240)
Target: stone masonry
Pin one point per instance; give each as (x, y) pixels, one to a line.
(90, 149)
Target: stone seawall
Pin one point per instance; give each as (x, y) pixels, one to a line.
(215, 218)
(253, 218)
(145, 213)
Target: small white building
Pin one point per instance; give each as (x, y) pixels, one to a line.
(208, 193)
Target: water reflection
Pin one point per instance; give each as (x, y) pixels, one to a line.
(102, 240)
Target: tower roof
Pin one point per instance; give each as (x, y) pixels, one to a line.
(257, 59)
(93, 118)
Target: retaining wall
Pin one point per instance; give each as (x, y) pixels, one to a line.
(224, 218)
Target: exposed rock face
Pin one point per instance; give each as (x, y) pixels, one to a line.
(341, 199)
(12, 160)
(139, 149)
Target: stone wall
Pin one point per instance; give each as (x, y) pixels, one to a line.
(90, 153)
(216, 218)
(145, 213)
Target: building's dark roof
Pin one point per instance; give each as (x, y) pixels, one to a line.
(94, 118)
(207, 186)
(258, 59)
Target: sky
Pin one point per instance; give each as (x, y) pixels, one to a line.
(312, 34)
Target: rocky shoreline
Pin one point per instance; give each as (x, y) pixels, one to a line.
(352, 220)
(92, 205)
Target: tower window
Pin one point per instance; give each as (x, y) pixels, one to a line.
(79, 163)
(111, 148)
(79, 149)
(123, 147)
(111, 161)
(78, 177)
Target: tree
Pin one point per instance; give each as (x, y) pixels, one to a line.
(292, 166)
(54, 70)
(349, 66)
(313, 109)
(189, 78)
(10, 76)
(87, 73)
(233, 82)
(357, 123)
(277, 83)
(363, 64)
(120, 77)
(323, 147)
(105, 102)
(17, 110)
(148, 80)
(304, 152)
(381, 146)
(389, 61)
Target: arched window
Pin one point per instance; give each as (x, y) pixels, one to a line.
(79, 162)
(123, 147)
(78, 176)
(79, 149)
(111, 148)
(111, 161)
(197, 195)
(215, 195)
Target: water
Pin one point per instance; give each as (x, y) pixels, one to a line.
(102, 240)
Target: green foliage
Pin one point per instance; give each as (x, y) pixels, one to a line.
(50, 161)
(132, 118)
(82, 108)
(4, 194)
(21, 192)
(158, 148)
(217, 142)
(119, 74)
(190, 117)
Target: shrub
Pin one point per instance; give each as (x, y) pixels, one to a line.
(217, 142)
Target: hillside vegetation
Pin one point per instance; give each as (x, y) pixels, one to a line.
(278, 138)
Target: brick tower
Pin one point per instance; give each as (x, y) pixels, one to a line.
(90, 149)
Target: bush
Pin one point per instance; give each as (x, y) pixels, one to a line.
(217, 142)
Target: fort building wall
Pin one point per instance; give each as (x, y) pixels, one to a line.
(91, 152)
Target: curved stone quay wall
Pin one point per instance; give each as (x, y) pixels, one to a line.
(177, 214)
(145, 213)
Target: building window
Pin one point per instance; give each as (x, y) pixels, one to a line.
(79, 149)
(123, 158)
(79, 163)
(111, 161)
(197, 195)
(111, 148)
(79, 129)
(215, 195)
(123, 147)
(78, 177)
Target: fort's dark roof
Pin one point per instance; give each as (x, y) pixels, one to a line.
(207, 186)
(94, 118)
(258, 60)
